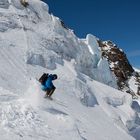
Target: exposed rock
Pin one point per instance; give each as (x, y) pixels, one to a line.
(120, 66)
(63, 24)
(137, 79)
(24, 3)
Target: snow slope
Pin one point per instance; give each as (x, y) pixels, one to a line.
(84, 111)
(32, 41)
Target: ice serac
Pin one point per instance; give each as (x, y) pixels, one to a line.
(106, 77)
(91, 63)
(93, 45)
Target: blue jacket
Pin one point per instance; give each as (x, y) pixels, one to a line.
(48, 84)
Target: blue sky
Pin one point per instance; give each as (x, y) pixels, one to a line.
(116, 20)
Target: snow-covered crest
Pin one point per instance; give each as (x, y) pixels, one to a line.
(42, 40)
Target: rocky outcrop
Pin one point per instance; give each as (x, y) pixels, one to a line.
(120, 66)
(137, 79)
(24, 3)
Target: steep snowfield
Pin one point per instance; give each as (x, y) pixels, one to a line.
(32, 42)
(81, 109)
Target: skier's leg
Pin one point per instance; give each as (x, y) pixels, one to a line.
(47, 92)
(51, 92)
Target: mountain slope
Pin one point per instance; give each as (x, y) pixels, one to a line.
(32, 42)
(69, 114)
(122, 69)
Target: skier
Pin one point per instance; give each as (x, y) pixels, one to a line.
(47, 84)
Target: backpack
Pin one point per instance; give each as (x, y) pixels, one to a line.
(43, 78)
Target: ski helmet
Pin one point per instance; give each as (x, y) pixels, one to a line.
(54, 76)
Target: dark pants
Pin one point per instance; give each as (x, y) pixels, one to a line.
(49, 92)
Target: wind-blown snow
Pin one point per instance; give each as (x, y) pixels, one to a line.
(32, 41)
